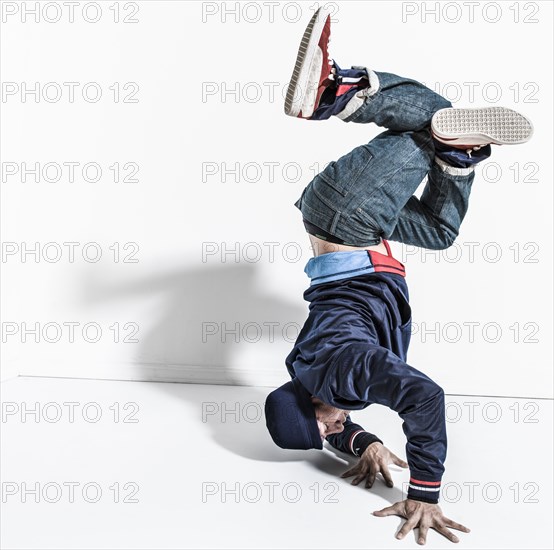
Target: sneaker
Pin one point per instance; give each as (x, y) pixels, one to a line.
(471, 129)
(313, 71)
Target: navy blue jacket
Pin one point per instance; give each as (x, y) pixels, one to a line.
(352, 352)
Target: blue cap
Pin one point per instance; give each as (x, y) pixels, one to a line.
(290, 417)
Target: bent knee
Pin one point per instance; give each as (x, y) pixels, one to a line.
(445, 238)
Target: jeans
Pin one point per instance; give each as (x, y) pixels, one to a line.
(368, 193)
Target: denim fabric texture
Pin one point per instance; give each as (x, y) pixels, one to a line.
(368, 194)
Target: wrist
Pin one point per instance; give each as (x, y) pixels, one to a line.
(361, 440)
(422, 501)
(424, 489)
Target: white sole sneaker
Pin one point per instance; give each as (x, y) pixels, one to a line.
(497, 125)
(307, 69)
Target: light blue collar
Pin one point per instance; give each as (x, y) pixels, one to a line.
(338, 265)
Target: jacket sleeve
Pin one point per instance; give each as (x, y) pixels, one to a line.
(353, 439)
(365, 373)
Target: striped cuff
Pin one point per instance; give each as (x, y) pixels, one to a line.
(360, 441)
(424, 490)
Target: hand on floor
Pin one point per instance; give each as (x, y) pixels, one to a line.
(376, 458)
(423, 515)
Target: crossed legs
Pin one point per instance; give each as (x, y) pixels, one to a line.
(369, 192)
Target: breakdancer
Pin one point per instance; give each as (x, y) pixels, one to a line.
(352, 349)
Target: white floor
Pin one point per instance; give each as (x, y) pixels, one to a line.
(203, 473)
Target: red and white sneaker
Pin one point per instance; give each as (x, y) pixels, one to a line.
(313, 69)
(474, 128)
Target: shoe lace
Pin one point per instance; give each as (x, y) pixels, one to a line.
(332, 74)
(471, 149)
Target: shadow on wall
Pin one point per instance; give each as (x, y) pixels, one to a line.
(195, 308)
(189, 303)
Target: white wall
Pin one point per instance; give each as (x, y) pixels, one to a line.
(210, 92)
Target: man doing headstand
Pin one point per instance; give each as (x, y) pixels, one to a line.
(352, 349)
